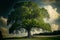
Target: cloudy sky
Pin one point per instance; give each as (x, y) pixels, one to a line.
(52, 6)
(6, 5)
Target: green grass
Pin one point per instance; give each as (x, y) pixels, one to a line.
(33, 38)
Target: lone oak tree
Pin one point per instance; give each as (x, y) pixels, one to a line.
(27, 15)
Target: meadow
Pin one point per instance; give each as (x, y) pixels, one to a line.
(33, 38)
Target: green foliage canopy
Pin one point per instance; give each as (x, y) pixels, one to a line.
(28, 15)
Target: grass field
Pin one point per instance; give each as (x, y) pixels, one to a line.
(33, 38)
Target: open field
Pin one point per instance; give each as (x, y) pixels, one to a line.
(33, 38)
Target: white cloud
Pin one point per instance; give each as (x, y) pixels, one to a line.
(53, 16)
(4, 21)
(54, 27)
(52, 12)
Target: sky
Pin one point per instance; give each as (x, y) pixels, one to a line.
(52, 7)
(6, 5)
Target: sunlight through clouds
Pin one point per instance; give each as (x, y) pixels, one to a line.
(52, 12)
(53, 16)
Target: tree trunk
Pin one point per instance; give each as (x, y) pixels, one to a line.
(29, 33)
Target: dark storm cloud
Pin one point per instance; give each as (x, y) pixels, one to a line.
(57, 5)
(6, 5)
(58, 21)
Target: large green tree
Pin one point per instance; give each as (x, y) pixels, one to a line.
(27, 15)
